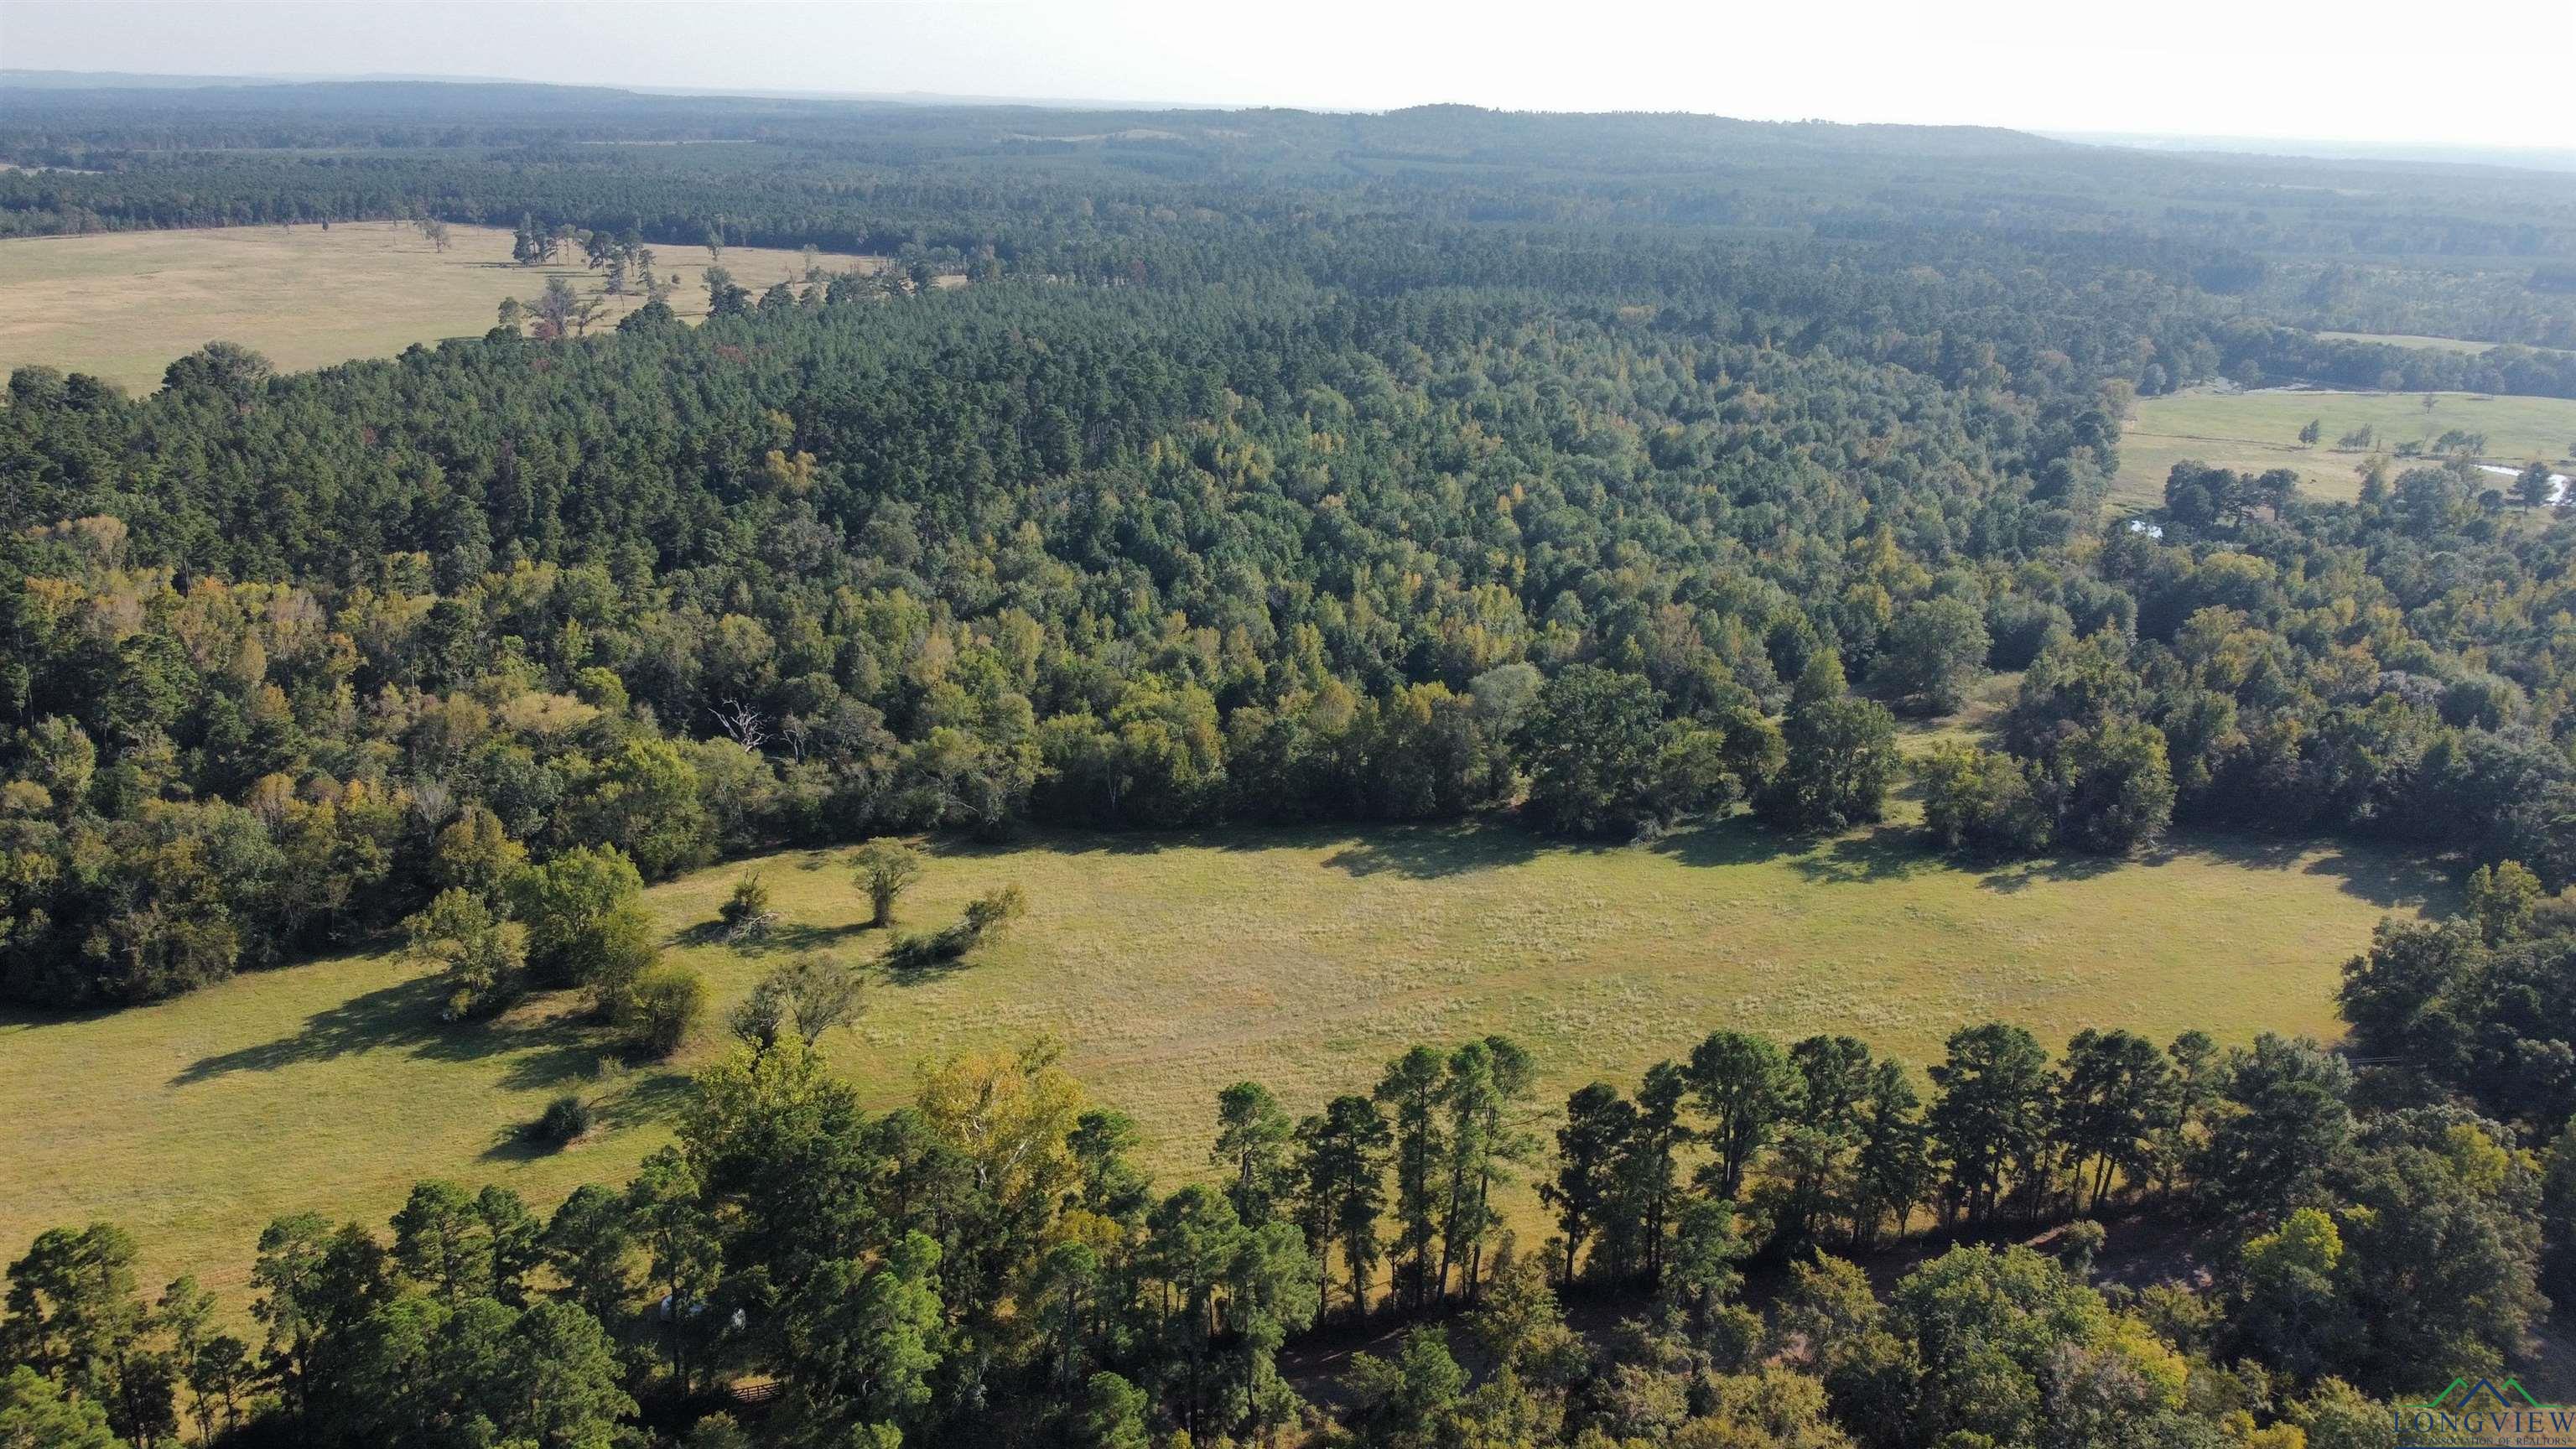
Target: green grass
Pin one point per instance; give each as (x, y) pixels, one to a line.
(1173, 965)
(122, 305)
(2256, 431)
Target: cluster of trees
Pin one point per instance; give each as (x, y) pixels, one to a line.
(989, 1261)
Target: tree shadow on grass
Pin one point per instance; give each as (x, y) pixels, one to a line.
(406, 1017)
(1735, 840)
(2056, 869)
(1885, 852)
(641, 1100)
(2387, 877)
(797, 938)
(1436, 852)
(786, 939)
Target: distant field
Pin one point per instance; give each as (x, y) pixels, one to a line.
(123, 305)
(1173, 966)
(2429, 344)
(2256, 431)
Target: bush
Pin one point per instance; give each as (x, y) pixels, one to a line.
(746, 914)
(661, 1009)
(984, 915)
(567, 1119)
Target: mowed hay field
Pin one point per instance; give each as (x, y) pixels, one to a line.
(1171, 966)
(2257, 431)
(123, 305)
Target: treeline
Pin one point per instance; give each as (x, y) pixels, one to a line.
(2262, 353)
(988, 1262)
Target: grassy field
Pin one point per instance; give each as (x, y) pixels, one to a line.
(123, 305)
(2256, 431)
(2428, 344)
(1173, 965)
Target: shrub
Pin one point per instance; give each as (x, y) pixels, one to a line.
(746, 914)
(813, 993)
(661, 1009)
(566, 1119)
(985, 915)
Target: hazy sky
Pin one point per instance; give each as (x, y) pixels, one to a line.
(2462, 71)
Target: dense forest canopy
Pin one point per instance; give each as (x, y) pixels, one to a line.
(1608, 471)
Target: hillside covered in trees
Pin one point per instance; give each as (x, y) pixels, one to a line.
(1609, 471)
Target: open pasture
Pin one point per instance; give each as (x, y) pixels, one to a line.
(2257, 431)
(122, 305)
(1171, 966)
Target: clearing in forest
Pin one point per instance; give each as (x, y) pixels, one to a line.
(1170, 966)
(2255, 431)
(122, 305)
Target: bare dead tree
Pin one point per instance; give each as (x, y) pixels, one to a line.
(742, 724)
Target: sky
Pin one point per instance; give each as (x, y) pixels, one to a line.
(2463, 72)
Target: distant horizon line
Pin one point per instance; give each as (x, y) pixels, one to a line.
(2220, 143)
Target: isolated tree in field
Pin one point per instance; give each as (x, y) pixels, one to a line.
(2314, 430)
(885, 869)
(660, 1008)
(811, 994)
(725, 297)
(482, 954)
(586, 922)
(513, 315)
(715, 243)
(556, 309)
(747, 914)
(1745, 1086)
(2532, 486)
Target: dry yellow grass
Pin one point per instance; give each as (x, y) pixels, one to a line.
(123, 305)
